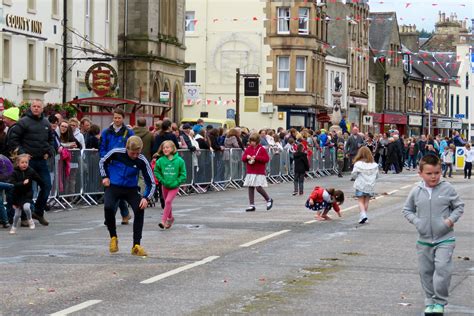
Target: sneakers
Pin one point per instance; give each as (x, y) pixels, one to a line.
(294, 193)
(31, 224)
(138, 250)
(269, 204)
(164, 225)
(5, 225)
(437, 309)
(113, 246)
(13, 230)
(40, 219)
(251, 208)
(170, 222)
(428, 309)
(126, 219)
(363, 218)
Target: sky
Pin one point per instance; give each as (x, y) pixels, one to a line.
(424, 13)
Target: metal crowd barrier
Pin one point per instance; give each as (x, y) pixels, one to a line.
(206, 170)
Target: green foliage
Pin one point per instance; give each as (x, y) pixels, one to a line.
(66, 110)
(425, 34)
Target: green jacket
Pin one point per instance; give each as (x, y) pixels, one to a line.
(170, 173)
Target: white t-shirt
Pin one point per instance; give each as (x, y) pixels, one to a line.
(469, 154)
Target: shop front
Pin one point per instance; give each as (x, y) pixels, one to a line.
(384, 122)
(442, 125)
(299, 117)
(415, 123)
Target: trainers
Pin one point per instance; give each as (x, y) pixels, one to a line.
(13, 230)
(31, 224)
(40, 219)
(113, 246)
(269, 204)
(294, 193)
(169, 222)
(251, 208)
(138, 250)
(428, 309)
(164, 225)
(126, 219)
(363, 218)
(437, 309)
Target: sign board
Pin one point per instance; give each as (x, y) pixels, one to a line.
(251, 104)
(104, 79)
(456, 124)
(192, 92)
(367, 120)
(251, 87)
(414, 120)
(449, 123)
(460, 157)
(164, 97)
(459, 116)
(230, 114)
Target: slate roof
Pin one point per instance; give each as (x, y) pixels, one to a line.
(381, 26)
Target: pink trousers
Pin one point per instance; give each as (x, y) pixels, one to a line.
(169, 195)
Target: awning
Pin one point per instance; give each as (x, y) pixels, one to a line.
(102, 101)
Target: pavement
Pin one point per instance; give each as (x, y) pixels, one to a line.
(219, 260)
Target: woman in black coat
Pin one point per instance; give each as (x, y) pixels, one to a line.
(301, 164)
(164, 134)
(393, 157)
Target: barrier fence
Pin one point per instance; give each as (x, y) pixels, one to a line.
(206, 171)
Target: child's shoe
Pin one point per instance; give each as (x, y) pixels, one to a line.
(428, 309)
(363, 218)
(269, 204)
(438, 309)
(251, 208)
(294, 193)
(31, 224)
(138, 250)
(113, 246)
(5, 225)
(13, 230)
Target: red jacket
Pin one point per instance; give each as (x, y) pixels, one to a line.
(317, 196)
(261, 158)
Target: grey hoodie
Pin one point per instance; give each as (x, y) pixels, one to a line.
(428, 213)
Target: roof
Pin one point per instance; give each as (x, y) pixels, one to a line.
(113, 102)
(436, 66)
(381, 26)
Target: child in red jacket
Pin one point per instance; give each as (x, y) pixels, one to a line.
(325, 199)
(256, 157)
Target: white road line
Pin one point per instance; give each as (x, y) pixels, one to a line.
(76, 308)
(256, 241)
(178, 270)
(310, 222)
(342, 211)
(405, 187)
(391, 192)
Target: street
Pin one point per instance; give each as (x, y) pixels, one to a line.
(219, 260)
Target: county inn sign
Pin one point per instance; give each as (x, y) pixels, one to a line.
(24, 24)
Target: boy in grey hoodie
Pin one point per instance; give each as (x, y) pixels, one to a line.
(433, 206)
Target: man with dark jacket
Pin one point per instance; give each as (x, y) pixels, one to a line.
(185, 134)
(32, 135)
(354, 142)
(147, 138)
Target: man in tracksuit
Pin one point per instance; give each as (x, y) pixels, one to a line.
(120, 169)
(433, 206)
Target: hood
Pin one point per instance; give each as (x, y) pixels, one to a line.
(367, 165)
(422, 185)
(140, 131)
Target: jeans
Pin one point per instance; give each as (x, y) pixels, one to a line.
(411, 161)
(3, 211)
(41, 167)
(299, 182)
(450, 167)
(467, 170)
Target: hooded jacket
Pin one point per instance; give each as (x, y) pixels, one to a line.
(300, 162)
(170, 173)
(365, 174)
(111, 139)
(428, 212)
(32, 135)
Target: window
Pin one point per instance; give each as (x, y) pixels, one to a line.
(107, 23)
(55, 8)
(51, 57)
(284, 20)
(31, 6)
(87, 20)
(467, 107)
(407, 63)
(31, 60)
(331, 81)
(283, 68)
(7, 56)
(189, 20)
(303, 21)
(301, 73)
(190, 74)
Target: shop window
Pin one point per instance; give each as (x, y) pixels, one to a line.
(284, 20)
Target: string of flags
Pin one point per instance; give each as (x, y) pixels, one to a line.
(209, 102)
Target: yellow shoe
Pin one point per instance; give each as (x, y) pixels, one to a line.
(113, 246)
(138, 250)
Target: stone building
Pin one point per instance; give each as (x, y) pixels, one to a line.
(448, 31)
(152, 54)
(348, 33)
(297, 35)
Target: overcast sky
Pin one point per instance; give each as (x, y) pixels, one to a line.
(424, 13)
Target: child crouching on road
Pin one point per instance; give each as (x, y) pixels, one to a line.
(170, 170)
(119, 169)
(322, 200)
(433, 206)
(364, 172)
(22, 196)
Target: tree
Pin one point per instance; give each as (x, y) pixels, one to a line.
(425, 34)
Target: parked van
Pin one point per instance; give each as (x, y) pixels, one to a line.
(216, 123)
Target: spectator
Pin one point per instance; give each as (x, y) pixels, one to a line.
(67, 138)
(147, 138)
(457, 140)
(185, 134)
(198, 126)
(165, 133)
(354, 142)
(74, 124)
(93, 137)
(85, 126)
(32, 135)
(201, 139)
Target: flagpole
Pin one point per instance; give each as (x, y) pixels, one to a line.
(429, 122)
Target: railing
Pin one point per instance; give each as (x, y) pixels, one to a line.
(206, 171)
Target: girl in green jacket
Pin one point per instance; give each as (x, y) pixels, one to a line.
(170, 171)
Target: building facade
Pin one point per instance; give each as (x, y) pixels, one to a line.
(151, 54)
(296, 32)
(29, 50)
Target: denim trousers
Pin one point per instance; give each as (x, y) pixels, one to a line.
(41, 167)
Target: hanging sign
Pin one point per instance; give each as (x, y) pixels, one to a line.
(104, 81)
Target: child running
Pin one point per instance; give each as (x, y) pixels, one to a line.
(325, 199)
(256, 157)
(301, 167)
(22, 196)
(120, 169)
(433, 206)
(170, 171)
(365, 172)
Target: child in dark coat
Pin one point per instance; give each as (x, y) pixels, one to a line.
(301, 165)
(22, 197)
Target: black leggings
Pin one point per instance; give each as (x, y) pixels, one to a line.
(130, 195)
(259, 190)
(467, 170)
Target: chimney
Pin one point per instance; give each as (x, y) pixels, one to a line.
(410, 38)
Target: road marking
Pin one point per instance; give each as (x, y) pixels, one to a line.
(178, 270)
(256, 241)
(405, 187)
(76, 308)
(342, 211)
(391, 192)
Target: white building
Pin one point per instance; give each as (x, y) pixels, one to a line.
(30, 50)
(220, 37)
(461, 97)
(336, 68)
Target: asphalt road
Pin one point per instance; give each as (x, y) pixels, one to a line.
(219, 260)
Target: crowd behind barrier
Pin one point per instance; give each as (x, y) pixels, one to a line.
(77, 181)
